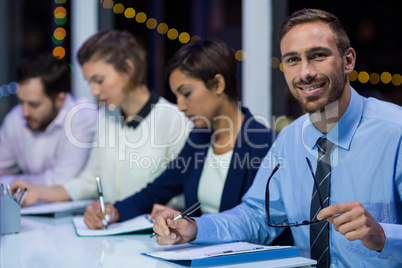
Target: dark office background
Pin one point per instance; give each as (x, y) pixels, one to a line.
(26, 27)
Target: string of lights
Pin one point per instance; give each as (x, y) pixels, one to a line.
(184, 37)
(59, 34)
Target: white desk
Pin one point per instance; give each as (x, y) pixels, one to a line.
(48, 242)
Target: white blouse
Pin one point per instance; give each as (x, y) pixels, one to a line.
(212, 180)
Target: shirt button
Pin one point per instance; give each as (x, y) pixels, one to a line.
(389, 257)
(332, 266)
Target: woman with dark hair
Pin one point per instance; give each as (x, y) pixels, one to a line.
(223, 152)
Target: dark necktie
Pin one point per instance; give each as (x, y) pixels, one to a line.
(319, 232)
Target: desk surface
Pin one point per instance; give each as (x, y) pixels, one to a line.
(49, 242)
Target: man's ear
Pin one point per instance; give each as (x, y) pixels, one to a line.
(220, 84)
(350, 60)
(59, 100)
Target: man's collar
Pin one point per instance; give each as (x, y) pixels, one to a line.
(342, 133)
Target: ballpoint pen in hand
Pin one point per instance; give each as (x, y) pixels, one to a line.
(185, 213)
(101, 201)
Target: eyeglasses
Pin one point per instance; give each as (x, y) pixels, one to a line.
(287, 224)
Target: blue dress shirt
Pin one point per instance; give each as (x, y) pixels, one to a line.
(366, 167)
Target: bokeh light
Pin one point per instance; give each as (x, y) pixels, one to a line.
(61, 21)
(281, 67)
(184, 38)
(151, 23)
(195, 38)
(60, 12)
(363, 77)
(374, 78)
(60, 1)
(172, 34)
(59, 52)
(4, 91)
(386, 77)
(240, 55)
(353, 75)
(162, 28)
(8, 89)
(396, 79)
(12, 88)
(275, 62)
(57, 42)
(129, 13)
(118, 8)
(108, 4)
(141, 17)
(60, 33)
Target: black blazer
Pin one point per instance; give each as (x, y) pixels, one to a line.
(183, 173)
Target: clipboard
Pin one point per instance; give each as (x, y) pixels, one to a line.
(228, 253)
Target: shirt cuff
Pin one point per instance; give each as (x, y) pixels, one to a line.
(393, 243)
(206, 230)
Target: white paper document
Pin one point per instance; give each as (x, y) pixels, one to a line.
(56, 209)
(136, 224)
(192, 252)
(231, 253)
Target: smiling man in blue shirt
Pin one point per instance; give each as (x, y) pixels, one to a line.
(364, 209)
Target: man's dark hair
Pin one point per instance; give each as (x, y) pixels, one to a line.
(204, 59)
(53, 72)
(316, 15)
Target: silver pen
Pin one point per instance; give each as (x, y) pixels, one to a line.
(16, 194)
(10, 195)
(22, 197)
(185, 213)
(101, 201)
(3, 189)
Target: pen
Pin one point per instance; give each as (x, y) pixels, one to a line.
(3, 190)
(102, 203)
(10, 195)
(185, 213)
(239, 251)
(22, 197)
(16, 194)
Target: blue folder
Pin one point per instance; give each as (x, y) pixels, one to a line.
(237, 258)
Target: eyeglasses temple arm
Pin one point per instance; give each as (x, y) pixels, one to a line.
(267, 193)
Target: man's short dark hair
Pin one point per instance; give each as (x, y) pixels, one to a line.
(53, 72)
(316, 15)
